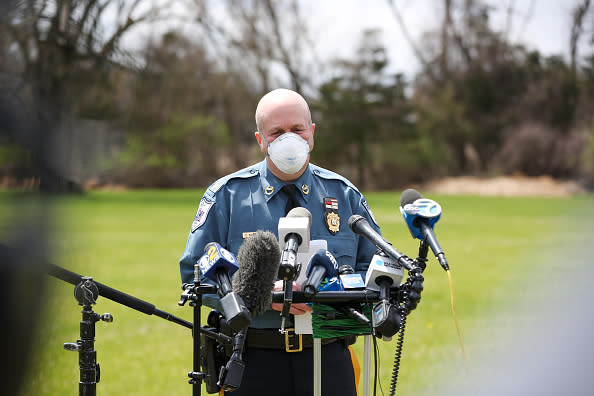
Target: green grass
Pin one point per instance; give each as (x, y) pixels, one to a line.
(132, 241)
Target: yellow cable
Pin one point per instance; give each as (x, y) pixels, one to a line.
(456, 320)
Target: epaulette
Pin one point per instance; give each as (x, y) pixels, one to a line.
(329, 175)
(245, 173)
(209, 198)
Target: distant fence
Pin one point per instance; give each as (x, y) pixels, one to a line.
(81, 149)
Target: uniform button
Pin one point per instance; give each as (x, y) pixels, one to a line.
(252, 171)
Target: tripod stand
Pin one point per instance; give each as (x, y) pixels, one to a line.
(193, 293)
(86, 293)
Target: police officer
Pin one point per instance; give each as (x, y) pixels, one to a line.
(254, 199)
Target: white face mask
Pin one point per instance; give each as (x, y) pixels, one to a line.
(288, 152)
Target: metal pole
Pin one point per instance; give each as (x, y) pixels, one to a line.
(367, 366)
(317, 366)
(196, 375)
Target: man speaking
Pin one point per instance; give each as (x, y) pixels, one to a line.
(255, 198)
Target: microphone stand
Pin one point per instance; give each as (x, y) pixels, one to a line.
(86, 292)
(193, 292)
(407, 297)
(330, 297)
(115, 295)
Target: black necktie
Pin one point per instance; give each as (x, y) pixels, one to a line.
(292, 201)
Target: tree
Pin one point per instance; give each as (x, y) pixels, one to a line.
(61, 47)
(180, 117)
(362, 113)
(475, 86)
(268, 42)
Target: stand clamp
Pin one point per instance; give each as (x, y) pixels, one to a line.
(86, 293)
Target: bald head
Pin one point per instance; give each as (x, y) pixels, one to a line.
(278, 112)
(279, 99)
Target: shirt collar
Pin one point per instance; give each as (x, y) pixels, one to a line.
(269, 180)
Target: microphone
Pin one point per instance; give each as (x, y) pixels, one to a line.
(420, 215)
(361, 226)
(322, 264)
(346, 274)
(383, 269)
(219, 264)
(258, 258)
(382, 274)
(350, 279)
(293, 231)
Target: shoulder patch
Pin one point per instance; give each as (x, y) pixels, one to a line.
(203, 209)
(368, 209)
(240, 174)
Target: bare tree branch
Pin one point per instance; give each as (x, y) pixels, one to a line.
(577, 28)
(285, 57)
(409, 39)
(509, 15)
(130, 21)
(526, 19)
(445, 39)
(91, 33)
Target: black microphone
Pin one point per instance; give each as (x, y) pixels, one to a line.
(219, 264)
(361, 226)
(420, 215)
(258, 258)
(347, 309)
(293, 231)
(322, 264)
(231, 374)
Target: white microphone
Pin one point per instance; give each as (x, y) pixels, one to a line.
(380, 268)
(298, 222)
(293, 235)
(383, 274)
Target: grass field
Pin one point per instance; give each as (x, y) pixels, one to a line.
(501, 251)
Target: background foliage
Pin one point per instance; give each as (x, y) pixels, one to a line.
(480, 103)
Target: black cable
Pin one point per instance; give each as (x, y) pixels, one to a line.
(397, 356)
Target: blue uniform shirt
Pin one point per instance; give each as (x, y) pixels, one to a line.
(249, 200)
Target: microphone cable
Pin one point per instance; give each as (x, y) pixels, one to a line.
(376, 365)
(456, 320)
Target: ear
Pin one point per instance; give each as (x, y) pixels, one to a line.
(263, 146)
(313, 128)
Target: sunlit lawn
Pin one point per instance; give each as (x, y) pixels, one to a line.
(132, 241)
